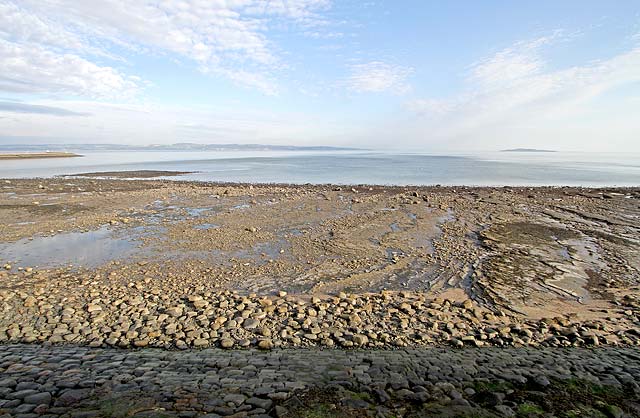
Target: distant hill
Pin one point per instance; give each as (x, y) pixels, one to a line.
(184, 146)
(526, 150)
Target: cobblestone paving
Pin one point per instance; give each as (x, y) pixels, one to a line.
(85, 382)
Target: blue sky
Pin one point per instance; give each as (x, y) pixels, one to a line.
(420, 75)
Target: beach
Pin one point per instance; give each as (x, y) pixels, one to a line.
(390, 266)
(163, 265)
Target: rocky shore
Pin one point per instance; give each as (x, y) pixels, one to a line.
(69, 381)
(112, 263)
(143, 314)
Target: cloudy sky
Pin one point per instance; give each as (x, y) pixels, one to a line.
(422, 75)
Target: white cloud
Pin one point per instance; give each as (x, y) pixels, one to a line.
(378, 76)
(31, 69)
(225, 38)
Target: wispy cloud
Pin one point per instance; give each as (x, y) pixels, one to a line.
(19, 107)
(514, 63)
(378, 76)
(516, 87)
(169, 124)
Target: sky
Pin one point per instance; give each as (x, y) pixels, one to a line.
(417, 75)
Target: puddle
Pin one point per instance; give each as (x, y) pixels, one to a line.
(395, 227)
(88, 249)
(197, 212)
(242, 206)
(204, 227)
(159, 212)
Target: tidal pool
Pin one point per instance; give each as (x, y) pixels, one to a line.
(87, 249)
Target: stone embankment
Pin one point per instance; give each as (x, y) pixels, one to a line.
(72, 381)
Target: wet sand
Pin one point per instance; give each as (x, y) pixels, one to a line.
(34, 155)
(138, 174)
(178, 264)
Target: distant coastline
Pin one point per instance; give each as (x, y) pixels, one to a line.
(183, 146)
(527, 150)
(35, 155)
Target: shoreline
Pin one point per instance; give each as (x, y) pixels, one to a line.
(166, 176)
(37, 155)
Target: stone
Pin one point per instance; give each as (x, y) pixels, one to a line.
(72, 397)
(360, 339)
(226, 343)
(541, 380)
(234, 398)
(29, 301)
(200, 342)
(175, 311)
(250, 323)
(505, 410)
(38, 398)
(93, 308)
(260, 403)
(265, 344)
(8, 382)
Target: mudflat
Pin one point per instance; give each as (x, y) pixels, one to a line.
(187, 264)
(34, 155)
(137, 174)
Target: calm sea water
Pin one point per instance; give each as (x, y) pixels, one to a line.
(579, 169)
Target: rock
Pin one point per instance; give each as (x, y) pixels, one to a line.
(43, 398)
(199, 304)
(175, 311)
(72, 397)
(541, 380)
(226, 343)
(281, 411)
(360, 339)
(250, 323)
(355, 403)
(234, 398)
(260, 403)
(8, 383)
(93, 308)
(505, 411)
(200, 342)
(29, 301)
(265, 344)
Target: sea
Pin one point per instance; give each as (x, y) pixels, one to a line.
(353, 167)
